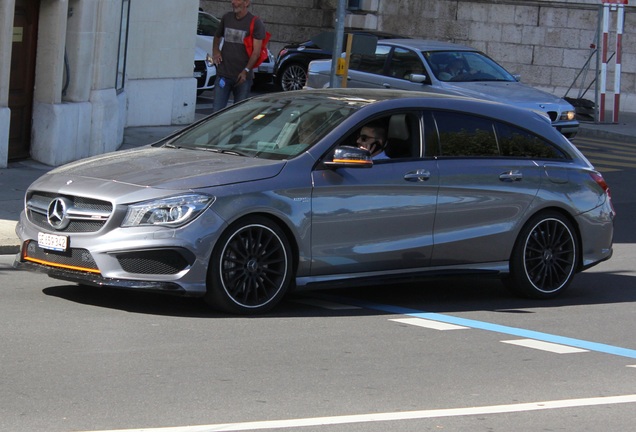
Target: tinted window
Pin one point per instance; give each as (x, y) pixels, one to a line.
(207, 25)
(515, 142)
(460, 134)
(465, 135)
(370, 63)
(405, 62)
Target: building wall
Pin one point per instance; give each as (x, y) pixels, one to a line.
(160, 84)
(7, 8)
(546, 42)
(77, 110)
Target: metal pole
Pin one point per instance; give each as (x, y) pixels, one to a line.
(617, 72)
(337, 42)
(604, 60)
(598, 67)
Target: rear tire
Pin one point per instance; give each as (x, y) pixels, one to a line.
(250, 268)
(544, 259)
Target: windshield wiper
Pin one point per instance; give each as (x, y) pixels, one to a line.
(224, 151)
(208, 149)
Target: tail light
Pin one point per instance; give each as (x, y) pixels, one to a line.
(598, 178)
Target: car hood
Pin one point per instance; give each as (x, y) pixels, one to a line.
(167, 168)
(203, 47)
(513, 93)
(199, 53)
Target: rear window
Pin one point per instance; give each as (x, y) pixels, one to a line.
(465, 135)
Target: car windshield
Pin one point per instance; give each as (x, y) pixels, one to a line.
(465, 66)
(207, 24)
(267, 127)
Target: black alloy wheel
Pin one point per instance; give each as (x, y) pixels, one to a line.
(293, 77)
(545, 257)
(251, 267)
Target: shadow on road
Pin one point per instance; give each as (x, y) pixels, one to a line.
(435, 295)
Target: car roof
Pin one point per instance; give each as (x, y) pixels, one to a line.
(381, 35)
(389, 99)
(427, 45)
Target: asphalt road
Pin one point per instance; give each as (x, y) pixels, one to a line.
(451, 355)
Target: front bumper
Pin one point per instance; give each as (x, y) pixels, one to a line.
(96, 280)
(141, 258)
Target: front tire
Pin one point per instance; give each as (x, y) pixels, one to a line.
(294, 77)
(250, 269)
(544, 259)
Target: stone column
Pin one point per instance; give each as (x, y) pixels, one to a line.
(7, 9)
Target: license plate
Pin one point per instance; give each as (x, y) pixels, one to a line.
(198, 74)
(52, 241)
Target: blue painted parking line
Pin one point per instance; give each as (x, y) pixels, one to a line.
(514, 331)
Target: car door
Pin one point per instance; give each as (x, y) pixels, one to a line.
(389, 67)
(486, 188)
(378, 218)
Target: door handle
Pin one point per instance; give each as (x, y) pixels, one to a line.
(419, 175)
(386, 85)
(511, 176)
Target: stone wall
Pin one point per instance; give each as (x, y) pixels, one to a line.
(546, 42)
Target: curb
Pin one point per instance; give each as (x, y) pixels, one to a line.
(9, 249)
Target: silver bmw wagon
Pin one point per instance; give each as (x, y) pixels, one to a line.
(276, 193)
(444, 67)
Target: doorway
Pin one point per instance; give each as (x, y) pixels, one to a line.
(22, 79)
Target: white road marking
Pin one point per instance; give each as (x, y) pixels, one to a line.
(435, 325)
(545, 346)
(394, 416)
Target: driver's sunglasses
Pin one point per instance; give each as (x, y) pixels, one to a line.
(365, 138)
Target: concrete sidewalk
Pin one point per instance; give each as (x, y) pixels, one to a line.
(15, 179)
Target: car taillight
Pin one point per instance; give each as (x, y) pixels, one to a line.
(282, 52)
(598, 178)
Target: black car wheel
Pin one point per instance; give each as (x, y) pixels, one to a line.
(293, 77)
(251, 267)
(544, 260)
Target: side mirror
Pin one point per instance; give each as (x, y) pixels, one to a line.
(351, 157)
(417, 78)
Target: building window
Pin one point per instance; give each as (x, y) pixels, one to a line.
(123, 45)
(353, 4)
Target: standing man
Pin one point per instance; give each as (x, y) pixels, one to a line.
(233, 66)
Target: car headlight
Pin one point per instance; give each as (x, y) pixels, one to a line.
(568, 115)
(170, 212)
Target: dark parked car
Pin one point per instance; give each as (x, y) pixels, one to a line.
(292, 61)
(272, 194)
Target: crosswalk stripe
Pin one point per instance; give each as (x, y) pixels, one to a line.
(435, 325)
(545, 346)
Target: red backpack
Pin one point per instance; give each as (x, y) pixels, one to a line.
(249, 44)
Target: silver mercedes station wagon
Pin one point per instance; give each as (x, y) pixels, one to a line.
(273, 194)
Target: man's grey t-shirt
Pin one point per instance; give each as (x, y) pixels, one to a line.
(233, 31)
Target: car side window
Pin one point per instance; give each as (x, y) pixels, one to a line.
(515, 142)
(465, 135)
(401, 132)
(404, 62)
(370, 63)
